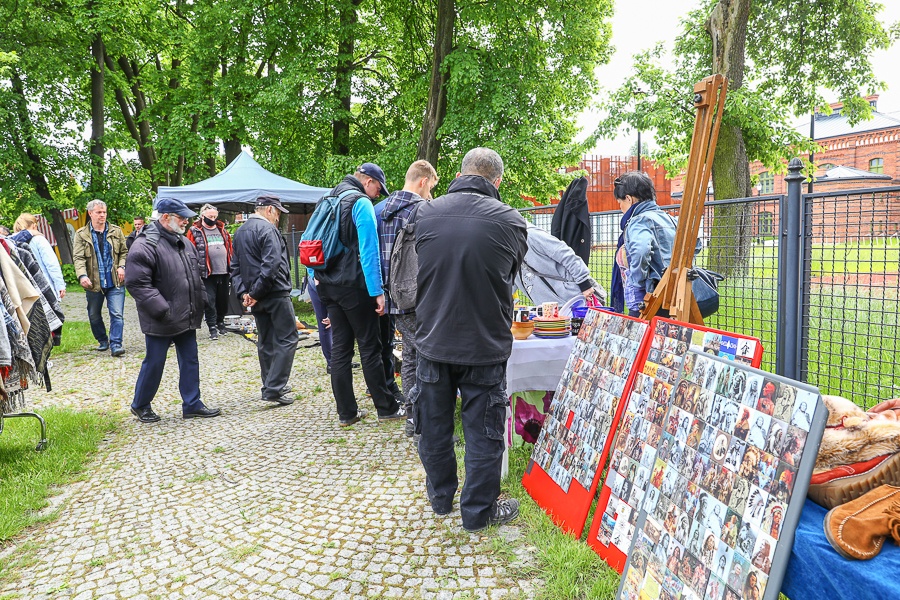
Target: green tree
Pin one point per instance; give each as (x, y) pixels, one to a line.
(781, 58)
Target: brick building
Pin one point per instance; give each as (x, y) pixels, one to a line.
(859, 156)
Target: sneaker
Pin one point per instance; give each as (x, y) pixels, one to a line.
(396, 416)
(213, 334)
(102, 346)
(503, 512)
(360, 414)
(409, 428)
(221, 328)
(117, 351)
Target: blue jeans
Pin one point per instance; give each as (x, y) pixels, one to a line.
(321, 313)
(115, 304)
(155, 362)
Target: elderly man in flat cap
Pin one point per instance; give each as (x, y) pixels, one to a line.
(163, 276)
(261, 276)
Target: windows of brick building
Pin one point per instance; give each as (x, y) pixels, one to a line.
(766, 182)
(765, 224)
(876, 165)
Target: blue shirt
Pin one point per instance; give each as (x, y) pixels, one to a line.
(103, 250)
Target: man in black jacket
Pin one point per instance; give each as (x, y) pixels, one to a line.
(261, 277)
(163, 276)
(470, 247)
(351, 290)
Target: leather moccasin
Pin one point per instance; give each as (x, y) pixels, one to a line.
(858, 529)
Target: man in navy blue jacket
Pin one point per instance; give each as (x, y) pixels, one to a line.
(351, 290)
(163, 276)
(261, 276)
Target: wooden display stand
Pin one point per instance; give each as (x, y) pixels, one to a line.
(674, 290)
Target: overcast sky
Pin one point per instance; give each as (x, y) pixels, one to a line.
(640, 25)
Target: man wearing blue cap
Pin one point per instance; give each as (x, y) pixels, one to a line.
(261, 276)
(163, 276)
(351, 290)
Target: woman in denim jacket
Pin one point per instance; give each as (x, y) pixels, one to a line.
(645, 246)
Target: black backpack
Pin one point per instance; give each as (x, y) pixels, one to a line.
(402, 284)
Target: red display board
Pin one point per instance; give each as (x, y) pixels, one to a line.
(574, 442)
(631, 468)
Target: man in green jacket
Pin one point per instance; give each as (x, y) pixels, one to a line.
(99, 257)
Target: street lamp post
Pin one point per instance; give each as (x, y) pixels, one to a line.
(638, 93)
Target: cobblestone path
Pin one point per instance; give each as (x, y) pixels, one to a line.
(263, 502)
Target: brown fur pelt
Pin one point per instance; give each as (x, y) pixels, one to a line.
(853, 435)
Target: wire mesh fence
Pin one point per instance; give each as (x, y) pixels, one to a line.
(850, 283)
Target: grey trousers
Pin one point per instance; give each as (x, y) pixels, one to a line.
(276, 343)
(406, 325)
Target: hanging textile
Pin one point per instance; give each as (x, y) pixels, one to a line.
(22, 294)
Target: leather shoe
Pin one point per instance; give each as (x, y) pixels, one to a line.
(360, 414)
(117, 351)
(282, 399)
(102, 347)
(145, 415)
(203, 412)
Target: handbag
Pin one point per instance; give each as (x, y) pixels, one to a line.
(705, 286)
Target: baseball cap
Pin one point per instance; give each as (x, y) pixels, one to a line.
(375, 172)
(172, 206)
(271, 201)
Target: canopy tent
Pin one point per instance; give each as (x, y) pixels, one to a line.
(241, 183)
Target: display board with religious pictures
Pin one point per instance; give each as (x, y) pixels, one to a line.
(642, 432)
(718, 519)
(574, 441)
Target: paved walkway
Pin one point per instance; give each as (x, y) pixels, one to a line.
(263, 502)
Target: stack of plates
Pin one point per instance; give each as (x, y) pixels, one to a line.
(551, 327)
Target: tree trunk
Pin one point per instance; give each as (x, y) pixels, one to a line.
(61, 233)
(729, 249)
(436, 110)
(35, 166)
(97, 117)
(232, 149)
(343, 76)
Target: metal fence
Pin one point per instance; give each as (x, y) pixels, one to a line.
(815, 276)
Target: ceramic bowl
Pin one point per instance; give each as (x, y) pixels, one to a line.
(521, 331)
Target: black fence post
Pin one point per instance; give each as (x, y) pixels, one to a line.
(790, 269)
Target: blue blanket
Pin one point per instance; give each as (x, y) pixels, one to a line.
(817, 572)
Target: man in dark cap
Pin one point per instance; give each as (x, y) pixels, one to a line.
(261, 277)
(163, 276)
(351, 290)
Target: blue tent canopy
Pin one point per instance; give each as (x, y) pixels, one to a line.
(240, 184)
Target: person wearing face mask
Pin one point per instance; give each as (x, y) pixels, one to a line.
(261, 276)
(163, 276)
(213, 243)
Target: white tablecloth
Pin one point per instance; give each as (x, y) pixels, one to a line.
(535, 364)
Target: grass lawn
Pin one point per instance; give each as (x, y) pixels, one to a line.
(76, 336)
(27, 477)
(568, 566)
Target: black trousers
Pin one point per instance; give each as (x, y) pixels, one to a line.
(484, 402)
(276, 329)
(216, 300)
(353, 318)
(386, 326)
